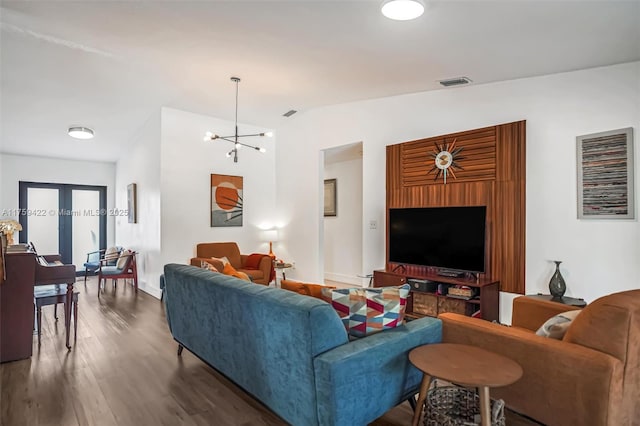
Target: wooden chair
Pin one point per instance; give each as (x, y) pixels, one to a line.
(125, 267)
(95, 257)
(52, 295)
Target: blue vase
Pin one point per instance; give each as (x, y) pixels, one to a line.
(557, 286)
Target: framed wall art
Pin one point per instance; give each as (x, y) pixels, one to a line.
(605, 175)
(330, 197)
(132, 203)
(226, 200)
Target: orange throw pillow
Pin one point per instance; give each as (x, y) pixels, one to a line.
(313, 290)
(230, 270)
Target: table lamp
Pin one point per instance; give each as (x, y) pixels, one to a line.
(271, 235)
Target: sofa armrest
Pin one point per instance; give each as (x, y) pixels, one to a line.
(562, 383)
(530, 313)
(359, 381)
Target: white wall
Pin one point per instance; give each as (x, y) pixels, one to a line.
(343, 233)
(140, 164)
(599, 257)
(15, 168)
(187, 163)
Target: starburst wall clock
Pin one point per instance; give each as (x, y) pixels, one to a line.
(445, 158)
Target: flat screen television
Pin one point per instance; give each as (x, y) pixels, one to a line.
(443, 237)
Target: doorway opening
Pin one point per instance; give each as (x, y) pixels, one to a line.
(341, 231)
(65, 219)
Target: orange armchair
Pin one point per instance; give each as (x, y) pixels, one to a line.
(206, 251)
(591, 377)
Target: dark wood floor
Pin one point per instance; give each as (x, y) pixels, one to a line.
(123, 370)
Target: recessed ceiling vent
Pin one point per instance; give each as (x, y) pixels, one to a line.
(289, 113)
(455, 81)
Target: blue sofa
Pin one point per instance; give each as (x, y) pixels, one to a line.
(290, 351)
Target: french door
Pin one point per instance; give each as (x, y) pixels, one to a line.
(64, 219)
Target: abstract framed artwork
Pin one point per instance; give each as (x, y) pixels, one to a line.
(330, 197)
(226, 200)
(605, 175)
(132, 203)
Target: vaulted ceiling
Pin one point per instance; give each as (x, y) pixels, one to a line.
(111, 65)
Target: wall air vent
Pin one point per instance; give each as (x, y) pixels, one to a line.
(289, 113)
(455, 81)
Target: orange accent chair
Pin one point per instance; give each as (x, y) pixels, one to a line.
(126, 267)
(211, 252)
(590, 377)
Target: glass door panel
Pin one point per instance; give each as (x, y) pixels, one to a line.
(43, 224)
(85, 225)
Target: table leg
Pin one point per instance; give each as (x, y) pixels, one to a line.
(75, 321)
(67, 312)
(424, 387)
(485, 406)
(39, 320)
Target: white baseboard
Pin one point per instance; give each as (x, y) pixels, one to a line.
(150, 290)
(347, 279)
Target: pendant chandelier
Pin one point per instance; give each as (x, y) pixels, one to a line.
(234, 139)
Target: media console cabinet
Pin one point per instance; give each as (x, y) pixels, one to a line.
(430, 297)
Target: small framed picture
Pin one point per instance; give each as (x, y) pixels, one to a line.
(330, 197)
(605, 175)
(131, 203)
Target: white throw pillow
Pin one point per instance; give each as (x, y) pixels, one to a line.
(111, 255)
(123, 259)
(222, 259)
(556, 326)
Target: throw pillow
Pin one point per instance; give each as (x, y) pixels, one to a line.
(306, 289)
(556, 326)
(222, 259)
(253, 261)
(207, 265)
(111, 255)
(123, 259)
(230, 270)
(365, 311)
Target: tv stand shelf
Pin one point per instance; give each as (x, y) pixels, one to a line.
(430, 299)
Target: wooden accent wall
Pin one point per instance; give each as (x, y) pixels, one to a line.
(494, 175)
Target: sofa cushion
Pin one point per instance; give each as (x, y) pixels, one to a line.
(307, 289)
(230, 270)
(371, 310)
(556, 326)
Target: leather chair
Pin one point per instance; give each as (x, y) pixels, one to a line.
(261, 274)
(590, 377)
(125, 267)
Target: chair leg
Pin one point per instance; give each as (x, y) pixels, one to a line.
(180, 348)
(85, 277)
(55, 311)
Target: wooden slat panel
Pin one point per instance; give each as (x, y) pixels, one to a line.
(477, 160)
(494, 176)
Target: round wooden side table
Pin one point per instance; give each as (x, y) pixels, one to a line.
(464, 365)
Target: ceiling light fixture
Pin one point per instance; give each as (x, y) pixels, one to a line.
(209, 136)
(402, 10)
(79, 132)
